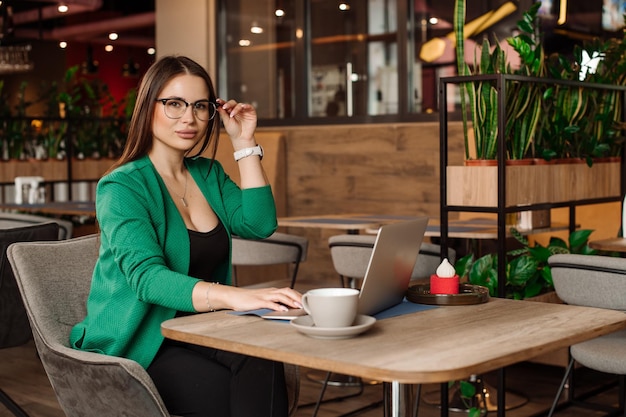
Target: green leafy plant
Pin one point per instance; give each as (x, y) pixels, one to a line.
(481, 96)
(523, 99)
(527, 271)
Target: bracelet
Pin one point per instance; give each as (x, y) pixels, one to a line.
(208, 303)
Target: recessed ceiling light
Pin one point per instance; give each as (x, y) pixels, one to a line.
(255, 28)
(108, 48)
(63, 8)
(62, 44)
(113, 36)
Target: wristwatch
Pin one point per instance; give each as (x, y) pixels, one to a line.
(245, 152)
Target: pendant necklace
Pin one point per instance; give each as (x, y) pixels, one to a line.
(182, 197)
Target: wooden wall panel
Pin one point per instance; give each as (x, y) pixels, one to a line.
(379, 169)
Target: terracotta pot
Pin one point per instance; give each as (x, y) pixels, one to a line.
(570, 161)
(525, 161)
(607, 159)
(541, 161)
(481, 162)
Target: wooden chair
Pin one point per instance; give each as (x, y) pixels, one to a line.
(593, 281)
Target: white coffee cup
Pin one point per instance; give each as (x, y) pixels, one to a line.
(331, 307)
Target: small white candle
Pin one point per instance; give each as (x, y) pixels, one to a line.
(445, 270)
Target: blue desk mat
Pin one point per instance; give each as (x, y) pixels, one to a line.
(405, 307)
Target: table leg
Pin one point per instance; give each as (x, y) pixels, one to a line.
(399, 399)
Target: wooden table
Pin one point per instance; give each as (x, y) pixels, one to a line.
(476, 228)
(347, 222)
(616, 244)
(70, 208)
(432, 346)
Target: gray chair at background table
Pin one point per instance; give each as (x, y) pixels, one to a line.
(279, 248)
(55, 289)
(593, 281)
(351, 253)
(14, 327)
(10, 220)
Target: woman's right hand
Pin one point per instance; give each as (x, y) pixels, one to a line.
(209, 296)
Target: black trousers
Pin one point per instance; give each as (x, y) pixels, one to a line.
(196, 381)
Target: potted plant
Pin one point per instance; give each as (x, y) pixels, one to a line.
(523, 100)
(544, 117)
(527, 272)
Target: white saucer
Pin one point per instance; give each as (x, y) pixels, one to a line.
(305, 325)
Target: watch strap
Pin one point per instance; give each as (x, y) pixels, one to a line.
(245, 152)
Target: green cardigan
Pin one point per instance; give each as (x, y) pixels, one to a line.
(140, 279)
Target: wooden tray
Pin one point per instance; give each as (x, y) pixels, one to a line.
(468, 294)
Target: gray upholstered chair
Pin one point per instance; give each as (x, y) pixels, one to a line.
(10, 220)
(593, 281)
(279, 248)
(14, 327)
(351, 253)
(55, 289)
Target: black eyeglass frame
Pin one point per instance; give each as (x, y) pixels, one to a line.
(187, 104)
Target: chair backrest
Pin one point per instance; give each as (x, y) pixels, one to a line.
(10, 220)
(54, 280)
(14, 327)
(351, 254)
(589, 280)
(280, 248)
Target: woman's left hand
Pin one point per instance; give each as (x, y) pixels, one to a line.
(240, 121)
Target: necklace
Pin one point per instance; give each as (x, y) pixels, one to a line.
(182, 197)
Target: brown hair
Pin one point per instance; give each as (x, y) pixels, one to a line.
(139, 140)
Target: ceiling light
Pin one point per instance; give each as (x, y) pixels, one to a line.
(63, 8)
(113, 36)
(151, 51)
(279, 12)
(255, 28)
(244, 42)
(108, 48)
(62, 44)
(344, 6)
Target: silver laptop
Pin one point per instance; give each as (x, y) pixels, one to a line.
(390, 267)
(388, 273)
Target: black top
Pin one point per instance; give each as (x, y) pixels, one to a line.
(207, 251)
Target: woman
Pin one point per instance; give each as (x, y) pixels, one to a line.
(166, 220)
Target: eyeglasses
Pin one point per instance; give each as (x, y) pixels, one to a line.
(175, 108)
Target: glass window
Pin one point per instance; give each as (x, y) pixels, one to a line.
(258, 47)
(354, 65)
(327, 61)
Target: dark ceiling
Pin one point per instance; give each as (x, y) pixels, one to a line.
(88, 21)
